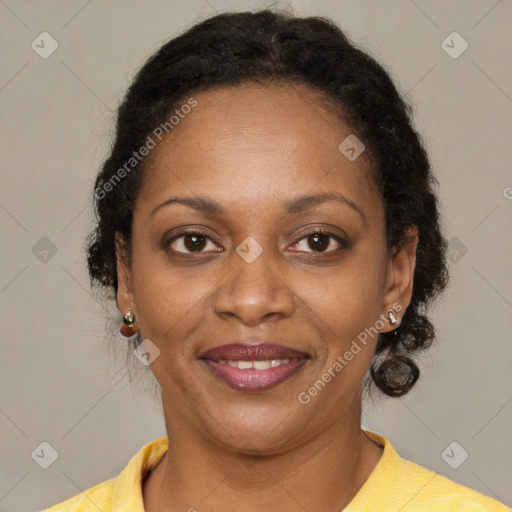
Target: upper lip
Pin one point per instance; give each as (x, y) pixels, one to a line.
(252, 352)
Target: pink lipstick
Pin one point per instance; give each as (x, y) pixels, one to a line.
(253, 367)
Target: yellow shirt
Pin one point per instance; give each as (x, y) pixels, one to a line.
(395, 485)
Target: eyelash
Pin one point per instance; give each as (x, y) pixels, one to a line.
(342, 243)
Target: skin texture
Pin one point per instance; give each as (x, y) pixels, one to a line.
(251, 149)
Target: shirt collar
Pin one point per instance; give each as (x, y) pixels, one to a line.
(127, 491)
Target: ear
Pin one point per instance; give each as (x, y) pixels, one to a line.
(124, 299)
(400, 278)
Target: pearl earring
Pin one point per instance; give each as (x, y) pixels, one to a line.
(392, 317)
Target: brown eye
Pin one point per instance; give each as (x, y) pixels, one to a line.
(319, 242)
(192, 242)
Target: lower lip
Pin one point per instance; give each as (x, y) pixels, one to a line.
(255, 380)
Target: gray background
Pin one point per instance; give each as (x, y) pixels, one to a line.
(59, 380)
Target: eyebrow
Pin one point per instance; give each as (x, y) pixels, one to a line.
(295, 205)
(198, 203)
(300, 204)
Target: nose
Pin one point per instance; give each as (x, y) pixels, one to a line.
(253, 293)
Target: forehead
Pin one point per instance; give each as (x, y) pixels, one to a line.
(257, 142)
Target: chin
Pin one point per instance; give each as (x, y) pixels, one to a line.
(257, 429)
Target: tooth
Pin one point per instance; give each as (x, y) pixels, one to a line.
(262, 365)
(257, 365)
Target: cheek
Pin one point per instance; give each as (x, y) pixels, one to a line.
(345, 308)
(169, 300)
(348, 297)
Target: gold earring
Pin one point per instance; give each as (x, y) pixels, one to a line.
(129, 318)
(128, 327)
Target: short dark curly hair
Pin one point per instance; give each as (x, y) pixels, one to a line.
(266, 47)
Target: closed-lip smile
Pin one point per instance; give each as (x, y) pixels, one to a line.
(254, 367)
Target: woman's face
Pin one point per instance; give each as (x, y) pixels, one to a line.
(286, 247)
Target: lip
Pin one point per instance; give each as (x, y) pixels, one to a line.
(251, 379)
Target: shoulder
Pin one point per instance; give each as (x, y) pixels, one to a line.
(437, 492)
(97, 497)
(121, 493)
(400, 484)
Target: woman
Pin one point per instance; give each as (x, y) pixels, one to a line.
(268, 225)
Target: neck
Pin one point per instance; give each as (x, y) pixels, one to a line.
(324, 473)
